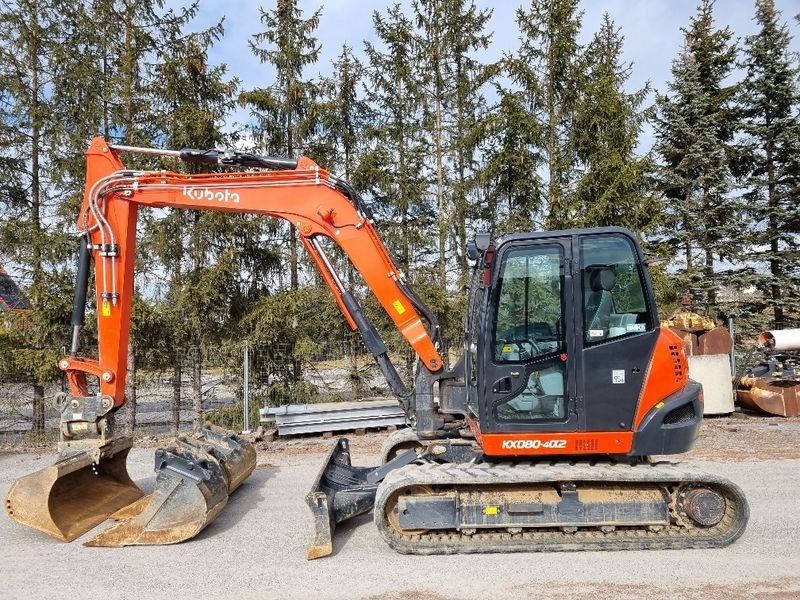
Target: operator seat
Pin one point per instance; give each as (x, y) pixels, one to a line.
(599, 302)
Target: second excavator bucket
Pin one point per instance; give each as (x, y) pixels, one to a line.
(80, 491)
(194, 477)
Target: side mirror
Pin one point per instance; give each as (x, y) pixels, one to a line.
(472, 250)
(478, 245)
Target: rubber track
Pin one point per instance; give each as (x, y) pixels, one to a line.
(400, 437)
(671, 475)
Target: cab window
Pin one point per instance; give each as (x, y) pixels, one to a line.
(613, 289)
(530, 307)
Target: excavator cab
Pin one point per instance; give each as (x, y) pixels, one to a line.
(560, 329)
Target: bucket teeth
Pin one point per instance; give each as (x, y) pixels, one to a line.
(194, 477)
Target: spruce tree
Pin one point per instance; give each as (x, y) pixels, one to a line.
(450, 32)
(32, 239)
(393, 169)
(341, 115)
(281, 111)
(513, 187)
(611, 188)
(695, 128)
(770, 104)
(547, 68)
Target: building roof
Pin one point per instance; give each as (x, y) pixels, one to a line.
(11, 296)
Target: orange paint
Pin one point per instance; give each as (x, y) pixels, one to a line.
(552, 444)
(667, 373)
(304, 196)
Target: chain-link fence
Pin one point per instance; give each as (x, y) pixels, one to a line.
(206, 383)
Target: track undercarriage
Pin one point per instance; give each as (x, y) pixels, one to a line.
(435, 507)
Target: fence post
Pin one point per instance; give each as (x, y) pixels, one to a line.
(246, 390)
(733, 346)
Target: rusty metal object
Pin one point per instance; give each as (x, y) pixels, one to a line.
(774, 396)
(716, 341)
(700, 335)
(195, 476)
(77, 493)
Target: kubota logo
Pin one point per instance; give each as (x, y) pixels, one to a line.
(533, 444)
(204, 193)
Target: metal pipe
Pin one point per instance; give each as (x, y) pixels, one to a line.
(327, 263)
(152, 151)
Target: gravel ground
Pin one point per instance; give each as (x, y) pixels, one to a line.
(256, 547)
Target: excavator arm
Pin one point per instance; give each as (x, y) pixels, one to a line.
(195, 475)
(317, 204)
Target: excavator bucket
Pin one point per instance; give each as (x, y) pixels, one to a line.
(194, 477)
(77, 493)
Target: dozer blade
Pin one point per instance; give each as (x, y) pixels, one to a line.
(77, 493)
(340, 491)
(194, 477)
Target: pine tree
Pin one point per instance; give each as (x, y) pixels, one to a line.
(770, 105)
(547, 68)
(612, 187)
(281, 111)
(31, 236)
(695, 127)
(393, 168)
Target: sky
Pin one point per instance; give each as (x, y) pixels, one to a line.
(651, 29)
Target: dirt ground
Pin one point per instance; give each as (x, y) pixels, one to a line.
(256, 547)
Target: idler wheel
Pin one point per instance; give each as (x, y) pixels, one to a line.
(703, 506)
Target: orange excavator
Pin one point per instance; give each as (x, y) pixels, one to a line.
(538, 438)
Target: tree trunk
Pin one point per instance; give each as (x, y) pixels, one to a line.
(177, 373)
(130, 393)
(37, 426)
(711, 298)
(197, 387)
(775, 268)
(440, 195)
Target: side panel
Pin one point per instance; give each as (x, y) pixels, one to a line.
(667, 373)
(612, 380)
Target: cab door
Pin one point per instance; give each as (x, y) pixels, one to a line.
(528, 372)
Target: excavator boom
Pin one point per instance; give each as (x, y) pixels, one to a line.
(195, 475)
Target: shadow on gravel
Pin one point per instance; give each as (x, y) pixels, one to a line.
(246, 498)
(345, 530)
